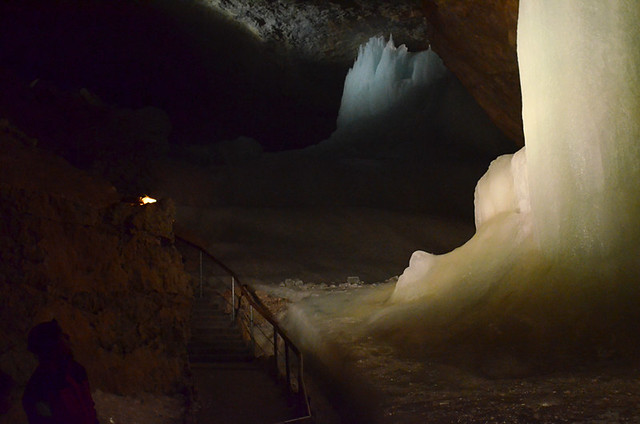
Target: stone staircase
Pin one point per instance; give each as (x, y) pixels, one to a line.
(231, 384)
(214, 337)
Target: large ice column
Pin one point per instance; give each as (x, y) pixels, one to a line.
(580, 69)
(570, 209)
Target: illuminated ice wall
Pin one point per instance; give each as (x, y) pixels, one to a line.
(564, 212)
(580, 72)
(552, 273)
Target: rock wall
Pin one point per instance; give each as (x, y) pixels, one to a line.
(329, 31)
(105, 269)
(477, 42)
(75, 124)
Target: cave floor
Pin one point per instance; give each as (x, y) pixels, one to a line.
(239, 393)
(585, 397)
(384, 387)
(367, 380)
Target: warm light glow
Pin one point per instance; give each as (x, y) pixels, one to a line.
(146, 199)
(579, 65)
(570, 199)
(554, 260)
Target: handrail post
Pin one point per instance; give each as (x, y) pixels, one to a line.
(287, 365)
(233, 298)
(254, 302)
(200, 273)
(253, 340)
(300, 382)
(275, 349)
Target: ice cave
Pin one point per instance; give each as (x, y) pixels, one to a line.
(561, 209)
(552, 269)
(434, 204)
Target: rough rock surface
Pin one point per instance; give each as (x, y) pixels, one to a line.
(105, 269)
(477, 42)
(327, 30)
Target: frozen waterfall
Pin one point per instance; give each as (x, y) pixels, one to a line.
(580, 72)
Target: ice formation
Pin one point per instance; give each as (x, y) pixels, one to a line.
(385, 77)
(397, 103)
(558, 220)
(503, 189)
(552, 271)
(580, 72)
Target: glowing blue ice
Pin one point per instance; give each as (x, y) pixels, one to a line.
(384, 78)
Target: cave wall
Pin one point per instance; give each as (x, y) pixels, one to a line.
(114, 142)
(105, 269)
(477, 42)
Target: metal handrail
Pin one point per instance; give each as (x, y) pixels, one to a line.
(256, 304)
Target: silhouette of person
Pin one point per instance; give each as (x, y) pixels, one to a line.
(58, 391)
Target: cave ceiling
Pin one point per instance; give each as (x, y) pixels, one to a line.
(477, 41)
(327, 30)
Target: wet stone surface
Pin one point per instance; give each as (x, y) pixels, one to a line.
(383, 385)
(412, 391)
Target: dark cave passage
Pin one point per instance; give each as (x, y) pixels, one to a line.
(215, 80)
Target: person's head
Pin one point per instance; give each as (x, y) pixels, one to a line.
(47, 341)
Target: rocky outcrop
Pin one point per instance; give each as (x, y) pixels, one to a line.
(328, 31)
(105, 269)
(477, 42)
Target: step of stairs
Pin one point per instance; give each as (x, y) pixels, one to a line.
(215, 338)
(220, 358)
